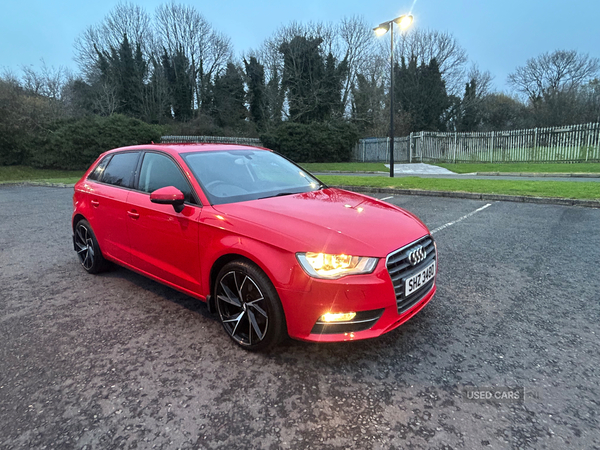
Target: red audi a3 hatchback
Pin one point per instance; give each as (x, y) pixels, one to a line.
(272, 250)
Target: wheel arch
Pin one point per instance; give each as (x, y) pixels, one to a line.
(222, 261)
(76, 218)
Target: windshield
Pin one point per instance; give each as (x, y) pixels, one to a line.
(239, 175)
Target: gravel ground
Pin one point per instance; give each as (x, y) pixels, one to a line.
(119, 361)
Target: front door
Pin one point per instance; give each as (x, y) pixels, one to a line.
(164, 243)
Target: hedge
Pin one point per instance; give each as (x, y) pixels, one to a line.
(75, 144)
(316, 142)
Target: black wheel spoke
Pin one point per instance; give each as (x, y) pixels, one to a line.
(237, 321)
(258, 308)
(241, 296)
(230, 296)
(257, 329)
(225, 298)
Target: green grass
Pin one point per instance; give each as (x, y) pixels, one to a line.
(462, 167)
(24, 173)
(561, 189)
(345, 167)
(523, 167)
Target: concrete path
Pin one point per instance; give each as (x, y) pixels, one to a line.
(420, 169)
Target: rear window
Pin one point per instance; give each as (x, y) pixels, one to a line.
(120, 169)
(99, 170)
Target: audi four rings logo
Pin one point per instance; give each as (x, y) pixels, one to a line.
(417, 255)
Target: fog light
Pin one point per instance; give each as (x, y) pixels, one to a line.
(337, 317)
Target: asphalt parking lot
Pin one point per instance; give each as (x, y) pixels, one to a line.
(119, 361)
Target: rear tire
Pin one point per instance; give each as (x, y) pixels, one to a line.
(87, 248)
(249, 307)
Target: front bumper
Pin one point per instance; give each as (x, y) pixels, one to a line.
(372, 296)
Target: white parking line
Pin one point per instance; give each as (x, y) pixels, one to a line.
(387, 198)
(461, 219)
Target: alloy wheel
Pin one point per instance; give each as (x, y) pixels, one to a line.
(85, 246)
(242, 307)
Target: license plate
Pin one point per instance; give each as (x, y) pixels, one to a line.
(417, 281)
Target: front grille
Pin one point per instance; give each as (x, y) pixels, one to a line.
(400, 269)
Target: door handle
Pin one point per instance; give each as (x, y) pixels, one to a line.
(95, 203)
(133, 214)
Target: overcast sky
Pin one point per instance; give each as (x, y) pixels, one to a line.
(498, 35)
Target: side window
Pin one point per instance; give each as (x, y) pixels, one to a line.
(120, 169)
(96, 174)
(159, 171)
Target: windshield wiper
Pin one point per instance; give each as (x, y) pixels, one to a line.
(281, 194)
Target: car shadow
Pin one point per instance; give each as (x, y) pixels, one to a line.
(160, 290)
(396, 343)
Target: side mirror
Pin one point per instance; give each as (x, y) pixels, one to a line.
(169, 195)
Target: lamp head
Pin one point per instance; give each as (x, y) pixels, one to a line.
(404, 21)
(381, 29)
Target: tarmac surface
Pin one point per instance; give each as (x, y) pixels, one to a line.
(119, 361)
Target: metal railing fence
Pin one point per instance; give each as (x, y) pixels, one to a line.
(210, 140)
(574, 143)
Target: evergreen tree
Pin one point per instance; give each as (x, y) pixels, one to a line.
(420, 92)
(303, 71)
(274, 98)
(124, 73)
(313, 83)
(229, 97)
(179, 77)
(435, 97)
(469, 112)
(368, 96)
(255, 80)
(131, 69)
(332, 84)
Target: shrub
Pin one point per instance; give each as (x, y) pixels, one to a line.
(316, 142)
(75, 144)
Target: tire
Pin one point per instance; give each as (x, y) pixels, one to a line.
(87, 248)
(249, 307)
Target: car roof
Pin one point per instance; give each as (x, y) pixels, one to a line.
(187, 148)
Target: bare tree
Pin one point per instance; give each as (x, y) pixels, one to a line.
(483, 81)
(359, 47)
(48, 81)
(429, 44)
(182, 27)
(559, 71)
(124, 19)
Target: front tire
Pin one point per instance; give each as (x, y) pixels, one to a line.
(249, 307)
(87, 248)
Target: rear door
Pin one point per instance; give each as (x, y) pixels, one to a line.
(164, 243)
(108, 200)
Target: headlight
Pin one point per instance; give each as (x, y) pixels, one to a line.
(322, 265)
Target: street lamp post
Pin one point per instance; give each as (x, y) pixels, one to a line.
(403, 22)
